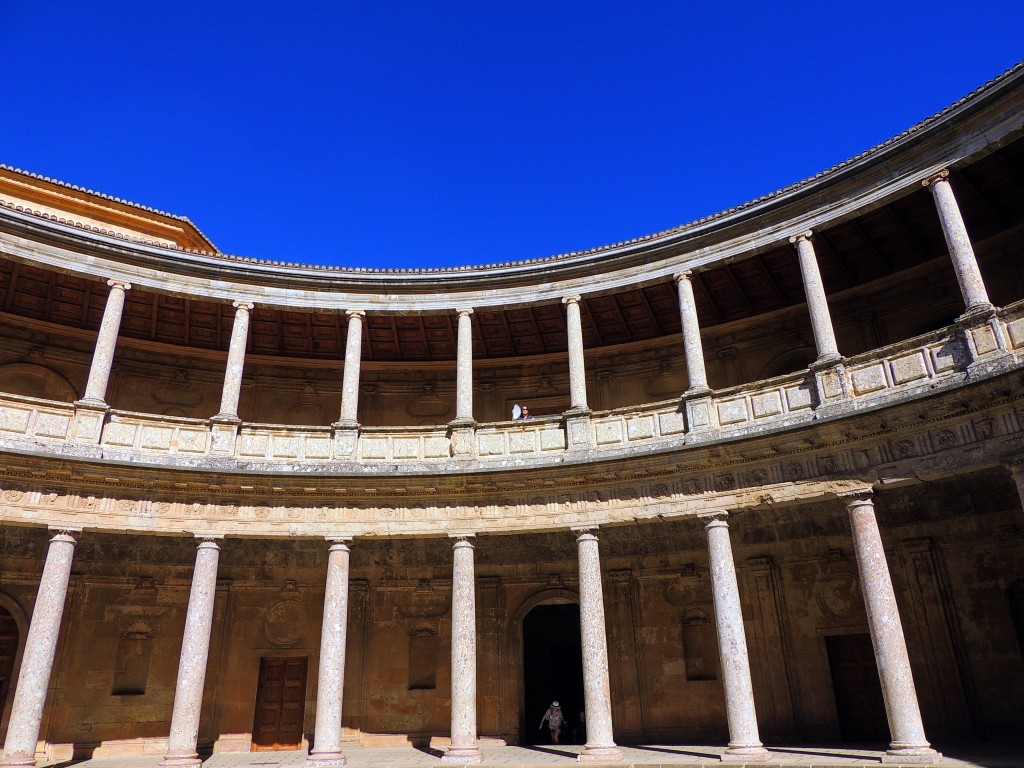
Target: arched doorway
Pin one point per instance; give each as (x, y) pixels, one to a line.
(552, 668)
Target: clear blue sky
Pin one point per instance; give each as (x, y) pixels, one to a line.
(417, 134)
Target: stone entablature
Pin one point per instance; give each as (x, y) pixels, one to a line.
(935, 362)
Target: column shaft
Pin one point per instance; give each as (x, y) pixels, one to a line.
(330, 686)
(908, 740)
(744, 740)
(236, 361)
(464, 368)
(353, 358)
(463, 747)
(577, 366)
(106, 341)
(965, 264)
(40, 648)
(600, 746)
(693, 350)
(817, 304)
(195, 650)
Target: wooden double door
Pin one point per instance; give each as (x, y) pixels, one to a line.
(280, 703)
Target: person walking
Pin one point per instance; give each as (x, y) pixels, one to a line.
(555, 720)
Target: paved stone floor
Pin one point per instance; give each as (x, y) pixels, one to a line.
(986, 756)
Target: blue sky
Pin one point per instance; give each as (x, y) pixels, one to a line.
(424, 134)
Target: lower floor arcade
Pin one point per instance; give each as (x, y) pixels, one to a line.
(771, 625)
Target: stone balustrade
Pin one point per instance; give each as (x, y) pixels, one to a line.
(885, 376)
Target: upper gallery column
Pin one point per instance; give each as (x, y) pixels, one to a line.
(464, 367)
(744, 741)
(40, 648)
(350, 378)
(817, 305)
(195, 651)
(693, 350)
(330, 685)
(236, 361)
(463, 747)
(577, 368)
(965, 264)
(600, 746)
(106, 341)
(909, 744)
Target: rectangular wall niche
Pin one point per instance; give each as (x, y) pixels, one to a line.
(423, 660)
(132, 665)
(699, 647)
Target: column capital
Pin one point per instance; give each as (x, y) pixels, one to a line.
(572, 299)
(124, 285)
(338, 541)
(462, 538)
(805, 235)
(360, 313)
(64, 533)
(683, 275)
(464, 311)
(246, 305)
(715, 519)
(208, 540)
(857, 497)
(939, 176)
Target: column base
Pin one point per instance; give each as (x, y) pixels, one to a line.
(746, 755)
(462, 755)
(599, 754)
(912, 755)
(178, 762)
(325, 760)
(18, 760)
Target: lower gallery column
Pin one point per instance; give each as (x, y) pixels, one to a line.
(463, 747)
(195, 650)
(600, 746)
(330, 685)
(40, 648)
(908, 742)
(744, 741)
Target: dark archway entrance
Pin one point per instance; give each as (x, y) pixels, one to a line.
(858, 692)
(8, 654)
(552, 668)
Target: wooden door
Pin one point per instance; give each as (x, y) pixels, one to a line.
(8, 650)
(857, 690)
(280, 703)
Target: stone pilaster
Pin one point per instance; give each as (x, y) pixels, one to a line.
(464, 748)
(195, 651)
(817, 304)
(330, 686)
(600, 746)
(40, 649)
(909, 744)
(346, 429)
(965, 264)
(744, 740)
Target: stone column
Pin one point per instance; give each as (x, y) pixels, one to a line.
(40, 648)
(236, 360)
(464, 368)
(350, 380)
(693, 350)
(330, 685)
(908, 741)
(965, 264)
(195, 650)
(463, 747)
(577, 368)
(744, 741)
(817, 305)
(106, 341)
(600, 746)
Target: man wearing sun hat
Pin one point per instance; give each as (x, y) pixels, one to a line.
(555, 720)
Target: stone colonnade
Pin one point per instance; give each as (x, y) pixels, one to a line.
(908, 744)
(961, 252)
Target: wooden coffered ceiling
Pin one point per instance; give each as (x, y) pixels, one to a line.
(878, 243)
